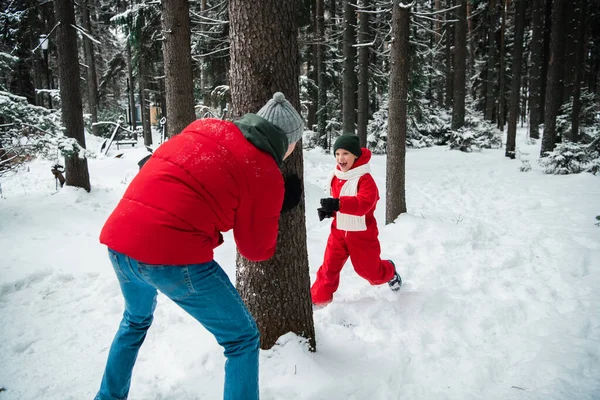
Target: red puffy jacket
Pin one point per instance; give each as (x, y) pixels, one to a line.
(206, 180)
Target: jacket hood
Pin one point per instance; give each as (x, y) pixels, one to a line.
(264, 135)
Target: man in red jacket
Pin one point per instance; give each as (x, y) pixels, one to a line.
(212, 177)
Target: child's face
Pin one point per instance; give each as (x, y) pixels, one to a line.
(344, 159)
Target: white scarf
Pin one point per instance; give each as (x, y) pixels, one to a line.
(347, 222)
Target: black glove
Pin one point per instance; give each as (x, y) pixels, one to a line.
(293, 192)
(330, 204)
(324, 214)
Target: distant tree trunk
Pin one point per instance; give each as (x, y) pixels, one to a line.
(130, 88)
(546, 56)
(396, 145)
(322, 97)
(555, 77)
(144, 108)
(312, 70)
(520, 10)
(569, 34)
(76, 167)
(88, 48)
(279, 300)
(502, 84)
(449, 60)
(179, 82)
(205, 76)
(490, 98)
(313, 93)
(470, 50)
(38, 81)
(363, 74)
(349, 85)
(460, 57)
(438, 29)
(535, 77)
(580, 12)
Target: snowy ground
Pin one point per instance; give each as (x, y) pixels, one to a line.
(501, 297)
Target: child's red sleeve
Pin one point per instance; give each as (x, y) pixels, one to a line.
(365, 199)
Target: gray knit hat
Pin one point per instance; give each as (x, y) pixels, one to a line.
(282, 114)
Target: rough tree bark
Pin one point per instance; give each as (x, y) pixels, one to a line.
(363, 75)
(349, 85)
(521, 8)
(264, 59)
(396, 145)
(76, 168)
(179, 82)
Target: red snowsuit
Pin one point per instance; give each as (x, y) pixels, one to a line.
(362, 247)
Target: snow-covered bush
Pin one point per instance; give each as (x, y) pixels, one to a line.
(433, 126)
(587, 116)
(525, 166)
(310, 139)
(421, 130)
(569, 158)
(377, 130)
(594, 167)
(476, 134)
(28, 131)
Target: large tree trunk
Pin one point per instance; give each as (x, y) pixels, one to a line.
(88, 48)
(277, 291)
(490, 97)
(554, 88)
(179, 82)
(580, 20)
(460, 57)
(363, 74)
(76, 167)
(322, 77)
(395, 193)
(535, 77)
(349, 92)
(521, 8)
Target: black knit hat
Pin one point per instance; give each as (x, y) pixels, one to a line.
(348, 142)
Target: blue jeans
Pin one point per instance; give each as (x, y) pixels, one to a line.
(205, 292)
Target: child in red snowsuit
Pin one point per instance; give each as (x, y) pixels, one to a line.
(354, 228)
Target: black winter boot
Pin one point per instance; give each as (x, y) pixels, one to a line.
(396, 281)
